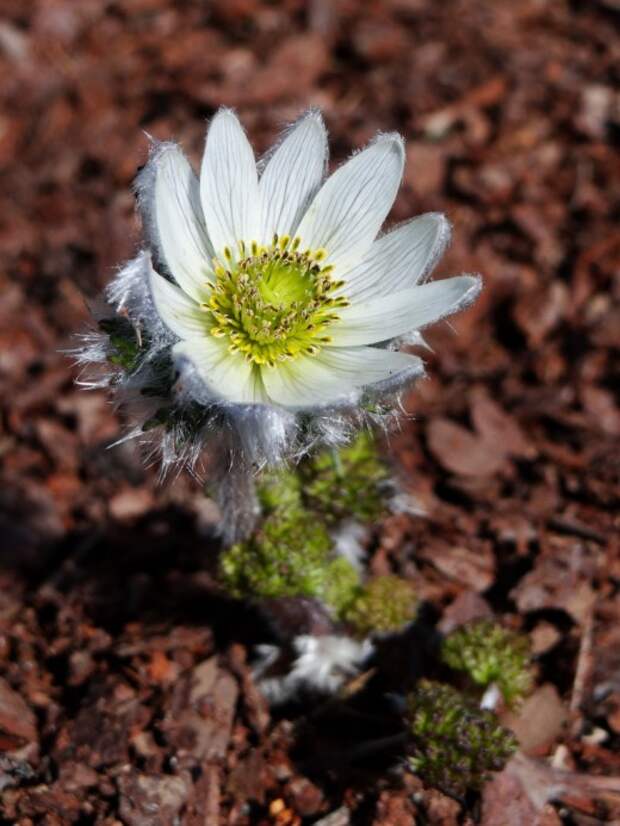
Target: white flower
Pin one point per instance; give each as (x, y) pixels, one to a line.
(264, 316)
(277, 289)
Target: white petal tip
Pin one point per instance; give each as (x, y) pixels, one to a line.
(225, 111)
(311, 121)
(314, 120)
(439, 228)
(400, 380)
(469, 288)
(225, 117)
(442, 225)
(473, 290)
(393, 140)
(315, 115)
(159, 149)
(168, 158)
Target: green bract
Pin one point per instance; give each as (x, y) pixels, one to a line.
(491, 654)
(454, 744)
(124, 348)
(386, 603)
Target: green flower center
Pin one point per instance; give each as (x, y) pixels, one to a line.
(273, 303)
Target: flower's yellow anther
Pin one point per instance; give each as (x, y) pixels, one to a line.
(274, 304)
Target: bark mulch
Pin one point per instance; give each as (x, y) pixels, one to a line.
(125, 692)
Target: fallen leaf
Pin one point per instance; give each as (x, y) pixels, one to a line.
(17, 720)
(461, 451)
(539, 721)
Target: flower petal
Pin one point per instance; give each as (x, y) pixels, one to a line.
(179, 313)
(229, 184)
(227, 375)
(180, 230)
(292, 176)
(349, 209)
(401, 259)
(336, 375)
(386, 317)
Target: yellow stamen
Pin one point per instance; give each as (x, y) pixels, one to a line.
(275, 303)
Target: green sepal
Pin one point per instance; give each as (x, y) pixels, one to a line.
(124, 345)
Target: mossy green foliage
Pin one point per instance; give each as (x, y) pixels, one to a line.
(291, 552)
(454, 744)
(490, 654)
(385, 603)
(342, 583)
(347, 483)
(280, 492)
(290, 555)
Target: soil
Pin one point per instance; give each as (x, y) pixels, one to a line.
(125, 691)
